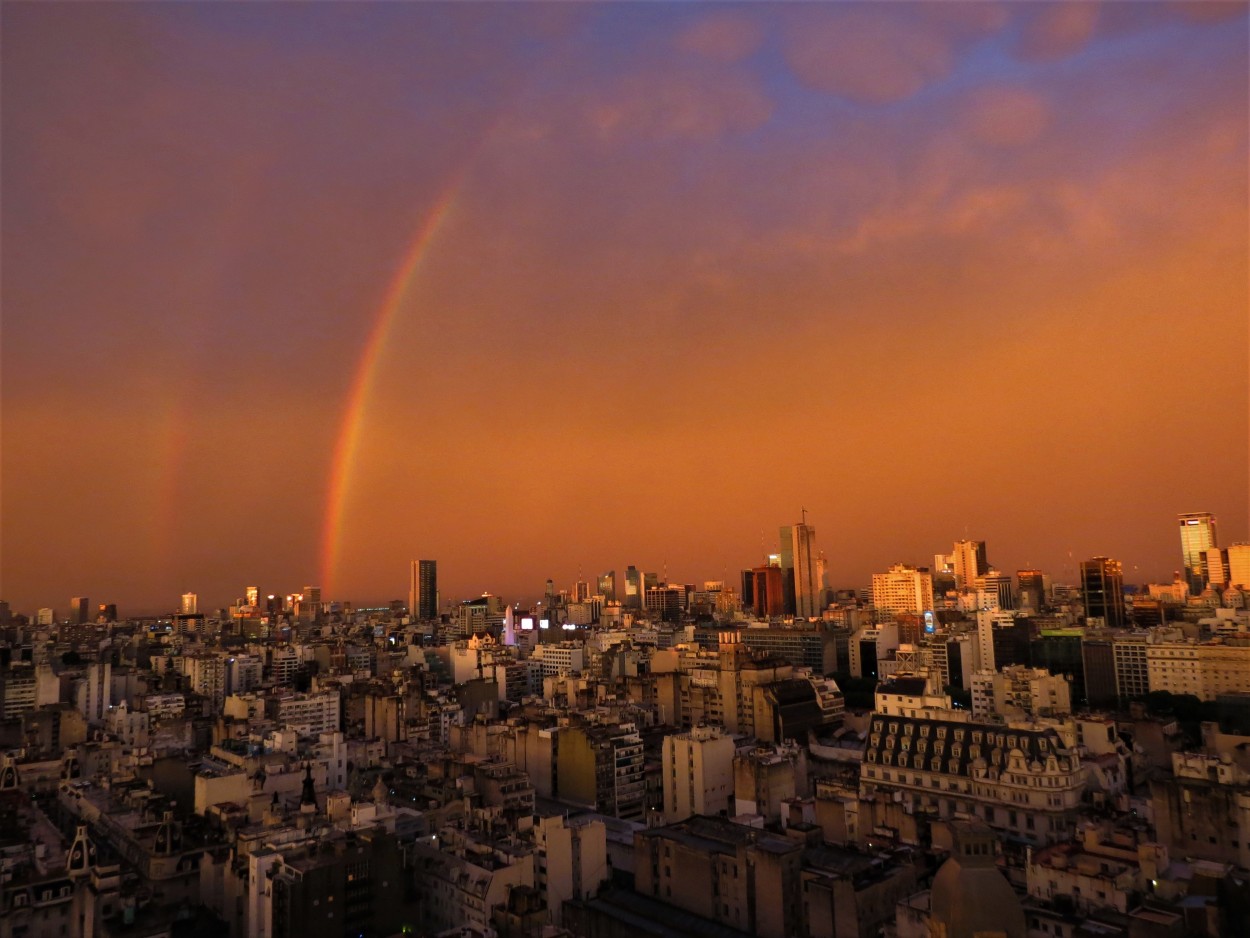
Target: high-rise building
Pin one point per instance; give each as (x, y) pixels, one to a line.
(968, 561)
(634, 597)
(607, 586)
(768, 591)
(800, 570)
(252, 595)
(1217, 567)
(1239, 565)
(1197, 531)
(902, 589)
(1030, 589)
(80, 610)
(995, 589)
(1102, 590)
(423, 590)
(189, 605)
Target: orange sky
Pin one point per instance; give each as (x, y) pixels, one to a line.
(929, 271)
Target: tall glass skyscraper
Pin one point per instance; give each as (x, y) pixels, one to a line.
(1102, 591)
(423, 590)
(1197, 537)
(800, 567)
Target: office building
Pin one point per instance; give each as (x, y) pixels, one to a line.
(607, 586)
(801, 570)
(423, 590)
(1030, 589)
(1102, 591)
(968, 562)
(995, 591)
(767, 591)
(1239, 566)
(189, 605)
(634, 596)
(1217, 567)
(1197, 530)
(80, 610)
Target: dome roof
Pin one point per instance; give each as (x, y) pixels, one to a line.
(969, 894)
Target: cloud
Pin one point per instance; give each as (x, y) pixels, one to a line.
(724, 37)
(1058, 30)
(1208, 11)
(678, 104)
(1006, 117)
(870, 56)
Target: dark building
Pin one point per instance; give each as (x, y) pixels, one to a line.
(1098, 658)
(1059, 652)
(748, 589)
(738, 876)
(1011, 643)
(1102, 590)
(423, 590)
(358, 877)
(79, 610)
(1031, 589)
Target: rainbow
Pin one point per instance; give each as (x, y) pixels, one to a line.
(362, 381)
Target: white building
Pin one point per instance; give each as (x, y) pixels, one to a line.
(310, 714)
(698, 773)
(1205, 669)
(564, 658)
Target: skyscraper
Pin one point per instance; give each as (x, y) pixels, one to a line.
(1031, 588)
(633, 588)
(968, 560)
(1239, 565)
(800, 569)
(1102, 590)
(607, 586)
(1217, 567)
(423, 590)
(190, 604)
(80, 610)
(1197, 537)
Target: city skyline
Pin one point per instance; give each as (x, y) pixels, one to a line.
(423, 573)
(296, 294)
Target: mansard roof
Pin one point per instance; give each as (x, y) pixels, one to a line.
(961, 743)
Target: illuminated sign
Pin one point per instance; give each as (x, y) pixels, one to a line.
(544, 624)
(527, 624)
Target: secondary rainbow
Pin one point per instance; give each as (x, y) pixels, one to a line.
(362, 381)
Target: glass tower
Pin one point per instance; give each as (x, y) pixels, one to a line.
(1197, 537)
